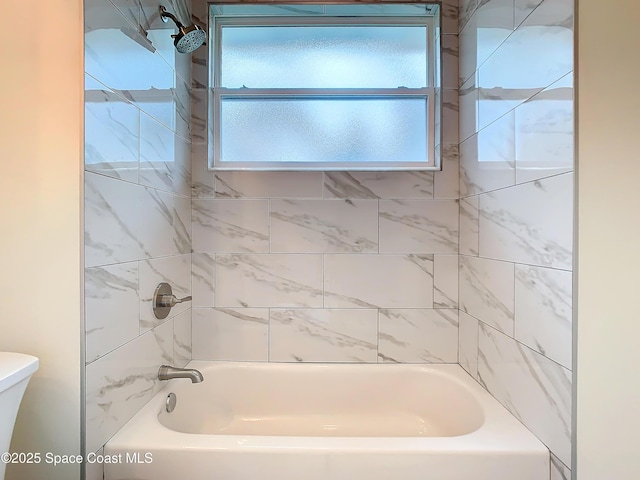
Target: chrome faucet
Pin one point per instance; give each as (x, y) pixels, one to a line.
(167, 372)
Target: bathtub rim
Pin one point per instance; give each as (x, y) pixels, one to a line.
(500, 432)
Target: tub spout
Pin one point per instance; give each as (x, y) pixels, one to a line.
(167, 372)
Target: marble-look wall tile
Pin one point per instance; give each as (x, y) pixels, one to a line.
(155, 222)
(157, 151)
(378, 184)
(533, 388)
(524, 65)
(200, 58)
(488, 158)
(305, 335)
(370, 281)
(445, 281)
(449, 17)
(300, 226)
(268, 184)
(199, 115)
(164, 157)
(450, 61)
(469, 226)
(183, 70)
(184, 8)
(523, 9)
(94, 87)
(112, 213)
(203, 268)
(495, 102)
(111, 308)
(182, 225)
(102, 14)
(552, 12)
(490, 25)
(466, 10)
(202, 179)
(559, 471)
(174, 270)
(468, 51)
(137, 133)
(543, 311)
(130, 9)
(276, 280)
(158, 103)
(199, 69)
(544, 132)
(468, 344)
(199, 11)
(516, 128)
(232, 334)
(182, 103)
(120, 383)
(118, 55)
(450, 113)
(418, 336)
(181, 166)
(446, 181)
(182, 348)
(529, 223)
(486, 292)
(468, 118)
(234, 226)
(111, 133)
(424, 226)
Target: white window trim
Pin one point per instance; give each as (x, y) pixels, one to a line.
(219, 93)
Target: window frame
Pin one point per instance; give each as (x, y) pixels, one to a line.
(218, 93)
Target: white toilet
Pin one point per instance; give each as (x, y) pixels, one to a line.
(15, 371)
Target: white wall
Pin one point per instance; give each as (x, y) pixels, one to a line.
(608, 348)
(40, 194)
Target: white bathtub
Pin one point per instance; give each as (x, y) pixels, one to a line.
(250, 421)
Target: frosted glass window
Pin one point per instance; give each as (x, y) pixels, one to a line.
(333, 56)
(313, 130)
(323, 87)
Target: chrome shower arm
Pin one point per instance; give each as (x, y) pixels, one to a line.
(164, 15)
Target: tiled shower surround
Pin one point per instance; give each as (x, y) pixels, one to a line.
(516, 210)
(470, 265)
(137, 208)
(327, 266)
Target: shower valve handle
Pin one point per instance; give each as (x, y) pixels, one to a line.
(164, 300)
(171, 300)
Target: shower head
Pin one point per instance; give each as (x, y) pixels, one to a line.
(188, 38)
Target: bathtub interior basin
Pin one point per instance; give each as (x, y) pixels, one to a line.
(322, 400)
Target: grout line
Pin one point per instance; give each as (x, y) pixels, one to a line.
(534, 352)
(533, 265)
